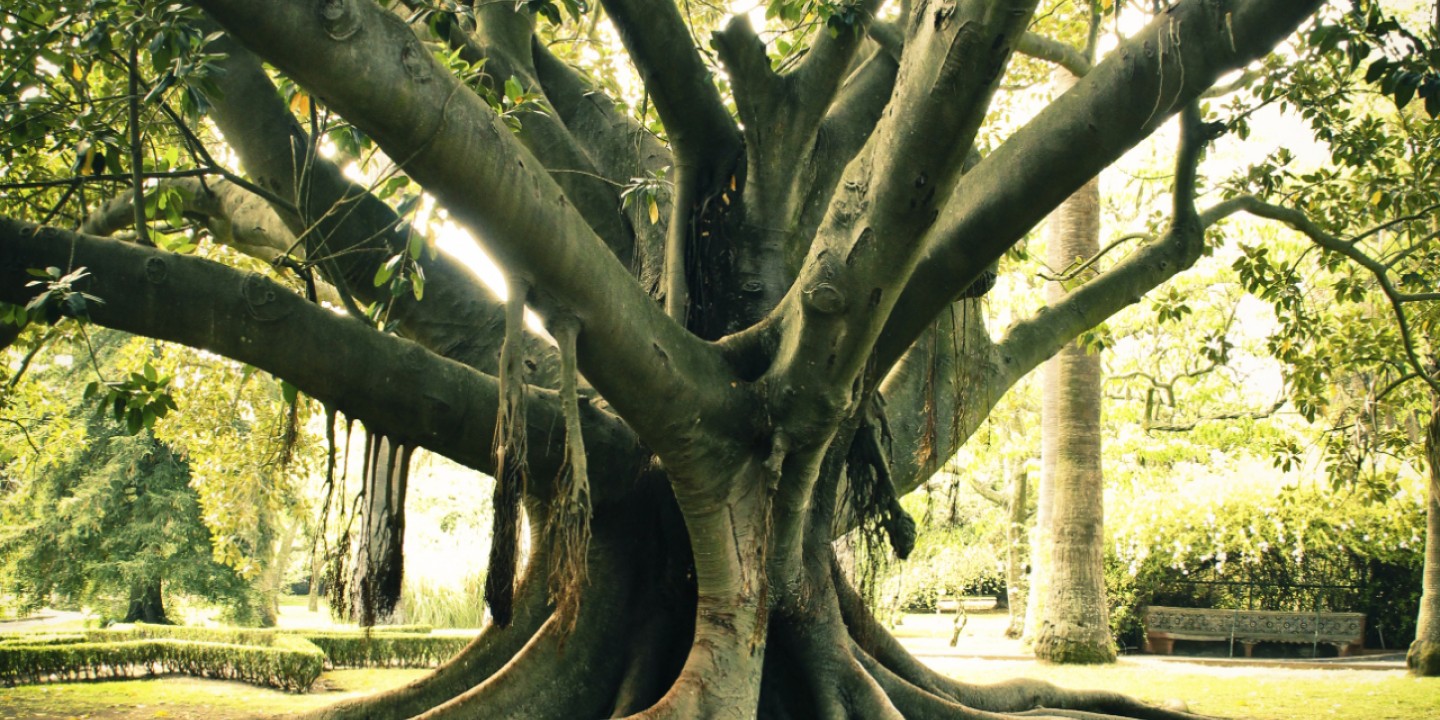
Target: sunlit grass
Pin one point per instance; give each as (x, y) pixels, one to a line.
(1241, 692)
(185, 697)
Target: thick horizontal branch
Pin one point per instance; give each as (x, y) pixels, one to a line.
(397, 388)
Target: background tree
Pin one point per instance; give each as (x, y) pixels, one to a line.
(777, 361)
(98, 515)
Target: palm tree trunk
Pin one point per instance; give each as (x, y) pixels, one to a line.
(1073, 624)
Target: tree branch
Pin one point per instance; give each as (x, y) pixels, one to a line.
(503, 38)
(1043, 48)
(397, 388)
(345, 230)
(1123, 100)
(870, 237)
(1303, 224)
(1031, 341)
(447, 138)
(1186, 427)
(700, 128)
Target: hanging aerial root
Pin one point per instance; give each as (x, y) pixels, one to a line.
(290, 434)
(569, 522)
(510, 475)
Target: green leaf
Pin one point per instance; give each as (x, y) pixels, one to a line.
(289, 392)
(387, 271)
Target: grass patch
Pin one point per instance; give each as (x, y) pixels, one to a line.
(1236, 691)
(180, 697)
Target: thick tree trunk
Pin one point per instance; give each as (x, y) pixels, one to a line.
(1424, 656)
(147, 604)
(1073, 624)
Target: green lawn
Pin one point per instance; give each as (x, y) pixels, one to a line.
(1241, 692)
(1249, 692)
(186, 698)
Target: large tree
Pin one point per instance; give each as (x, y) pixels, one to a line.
(756, 355)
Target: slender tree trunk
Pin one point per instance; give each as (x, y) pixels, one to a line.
(274, 574)
(1424, 656)
(1040, 552)
(317, 566)
(147, 604)
(1015, 581)
(1074, 624)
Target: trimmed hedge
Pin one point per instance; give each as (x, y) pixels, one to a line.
(391, 649)
(41, 639)
(223, 636)
(291, 663)
(286, 659)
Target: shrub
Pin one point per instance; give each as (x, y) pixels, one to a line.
(441, 605)
(291, 663)
(387, 649)
(1301, 550)
(286, 659)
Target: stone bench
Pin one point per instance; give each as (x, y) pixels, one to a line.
(1165, 625)
(967, 602)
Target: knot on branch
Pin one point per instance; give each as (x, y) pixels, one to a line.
(262, 297)
(415, 61)
(825, 299)
(339, 19)
(156, 271)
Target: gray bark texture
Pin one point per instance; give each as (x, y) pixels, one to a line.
(1072, 623)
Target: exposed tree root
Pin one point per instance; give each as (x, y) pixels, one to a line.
(899, 673)
(823, 657)
(494, 648)
(557, 675)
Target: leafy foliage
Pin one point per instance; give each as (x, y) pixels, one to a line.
(1244, 548)
(116, 516)
(288, 662)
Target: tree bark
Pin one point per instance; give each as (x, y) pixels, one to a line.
(377, 568)
(272, 578)
(147, 604)
(1017, 585)
(1424, 656)
(1072, 624)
